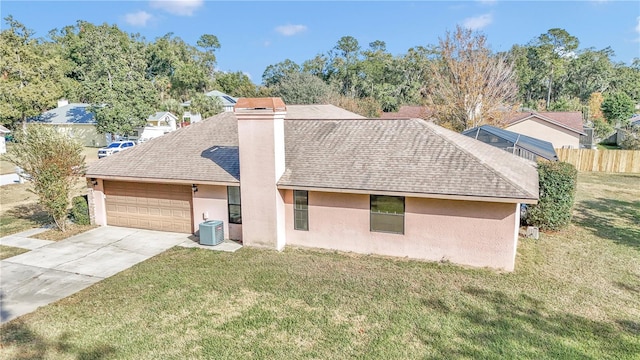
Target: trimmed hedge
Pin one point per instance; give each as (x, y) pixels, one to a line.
(80, 210)
(558, 182)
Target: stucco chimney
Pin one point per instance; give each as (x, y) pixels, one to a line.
(262, 163)
(63, 102)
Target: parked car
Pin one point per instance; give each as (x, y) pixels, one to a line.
(114, 147)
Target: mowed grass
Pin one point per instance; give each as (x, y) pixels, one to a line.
(9, 251)
(575, 294)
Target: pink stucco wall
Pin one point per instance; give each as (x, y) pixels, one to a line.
(210, 203)
(539, 129)
(99, 207)
(481, 234)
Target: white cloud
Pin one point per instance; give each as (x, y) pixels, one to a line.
(139, 18)
(267, 43)
(478, 22)
(290, 30)
(638, 25)
(488, 2)
(177, 7)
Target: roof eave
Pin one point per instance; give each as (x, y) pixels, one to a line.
(160, 180)
(531, 200)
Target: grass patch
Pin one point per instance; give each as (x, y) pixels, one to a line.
(57, 235)
(9, 251)
(575, 293)
(5, 166)
(22, 217)
(608, 147)
(20, 210)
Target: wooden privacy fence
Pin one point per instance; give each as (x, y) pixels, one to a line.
(617, 161)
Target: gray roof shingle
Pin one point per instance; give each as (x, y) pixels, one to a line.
(406, 156)
(75, 113)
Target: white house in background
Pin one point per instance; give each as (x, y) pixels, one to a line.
(227, 101)
(158, 124)
(3, 131)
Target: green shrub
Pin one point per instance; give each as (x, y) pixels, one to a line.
(558, 182)
(80, 211)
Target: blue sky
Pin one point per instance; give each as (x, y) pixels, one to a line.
(255, 34)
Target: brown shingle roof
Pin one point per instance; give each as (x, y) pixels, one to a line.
(571, 120)
(408, 156)
(204, 151)
(411, 156)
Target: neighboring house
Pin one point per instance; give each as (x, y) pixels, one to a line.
(74, 120)
(562, 129)
(228, 102)
(320, 176)
(3, 132)
(408, 112)
(158, 124)
(521, 145)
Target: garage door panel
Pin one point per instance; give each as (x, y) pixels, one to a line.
(149, 206)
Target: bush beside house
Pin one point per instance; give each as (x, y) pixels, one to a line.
(558, 183)
(80, 210)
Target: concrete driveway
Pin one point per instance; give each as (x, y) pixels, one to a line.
(54, 270)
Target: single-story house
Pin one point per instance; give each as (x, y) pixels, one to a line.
(320, 176)
(562, 129)
(227, 101)
(517, 144)
(158, 124)
(75, 120)
(3, 132)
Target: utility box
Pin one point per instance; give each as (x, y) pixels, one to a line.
(211, 232)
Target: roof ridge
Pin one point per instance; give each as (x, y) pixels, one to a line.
(482, 162)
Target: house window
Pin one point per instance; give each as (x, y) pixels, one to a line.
(233, 196)
(387, 214)
(301, 210)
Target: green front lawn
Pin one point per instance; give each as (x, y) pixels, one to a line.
(575, 294)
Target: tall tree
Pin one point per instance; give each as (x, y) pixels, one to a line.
(111, 67)
(591, 71)
(471, 86)
(209, 43)
(30, 74)
(302, 88)
(627, 79)
(273, 74)
(343, 65)
(236, 84)
(553, 49)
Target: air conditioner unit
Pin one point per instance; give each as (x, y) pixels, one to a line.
(211, 232)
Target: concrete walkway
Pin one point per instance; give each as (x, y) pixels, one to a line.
(54, 270)
(7, 179)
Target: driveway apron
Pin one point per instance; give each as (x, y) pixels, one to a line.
(58, 269)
